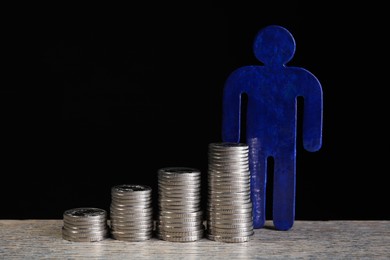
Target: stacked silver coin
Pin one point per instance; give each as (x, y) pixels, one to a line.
(131, 212)
(229, 207)
(180, 216)
(85, 225)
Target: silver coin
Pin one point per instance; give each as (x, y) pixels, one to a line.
(131, 212)
(223, 182)
(228, 176)
(239, 181)
(175, 176)
(231, 175)
(172, 180)
(136, 207)
(229, 207)
(126, 188)
(179, 194)
(232, 190)
(176, 232)
(229, 160)
(178, 224)
(228, 215)
(181, 214)
(230, 225)
(233, 232)
(180, 217)
(86, 233)
(178, 188)
(130, 221)
(226, 200)
(228, 145)
(226, 169)
(180, 238)
(84, 239)
(167, 227)
(85, 224)
(228, 239)
(241, 194)
(89, 224)
(180, 203)
(84, 227)
(131, 199)
(132, 229)
(231, 182)
(199, 233)
(132, 234)
(130, 209)
(85, 213)
(179, 200)
(178, 170)
(136, 192)
(230, 210)
(132, 238)
(184, 231)
(178, 185)
(128, 225)
(132, 217)
(230, 220)
(72, 232)
(123, 215)
(179, 210)
(228, 155)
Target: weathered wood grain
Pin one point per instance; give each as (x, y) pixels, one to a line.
(41, 239)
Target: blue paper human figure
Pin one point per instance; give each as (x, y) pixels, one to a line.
(271, 120)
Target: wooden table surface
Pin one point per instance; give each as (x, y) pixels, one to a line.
(41, 239)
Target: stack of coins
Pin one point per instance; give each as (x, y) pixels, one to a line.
(131, 212)
(85, 225)
(180, 216)
(229, 207)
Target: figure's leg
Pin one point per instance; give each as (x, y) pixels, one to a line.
(258, 171)
(284, 190)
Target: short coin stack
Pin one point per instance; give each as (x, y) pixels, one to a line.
(229, 207)
(180, 216)
(85, 225)
(131, 212)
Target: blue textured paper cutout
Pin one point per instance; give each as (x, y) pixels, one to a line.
(271, 127)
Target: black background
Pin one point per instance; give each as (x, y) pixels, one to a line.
(107, 95)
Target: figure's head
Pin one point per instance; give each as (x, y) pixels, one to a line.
(274, 45)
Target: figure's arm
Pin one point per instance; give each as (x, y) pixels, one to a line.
(312, 113)
(231, 109)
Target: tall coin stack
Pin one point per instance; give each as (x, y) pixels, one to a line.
(180, 216)
(229, 207)
(131, 212)
(85, 225)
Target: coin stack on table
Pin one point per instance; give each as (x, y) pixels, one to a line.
(85, 225)
(131, 212)
(180, 217)
(229, 207)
